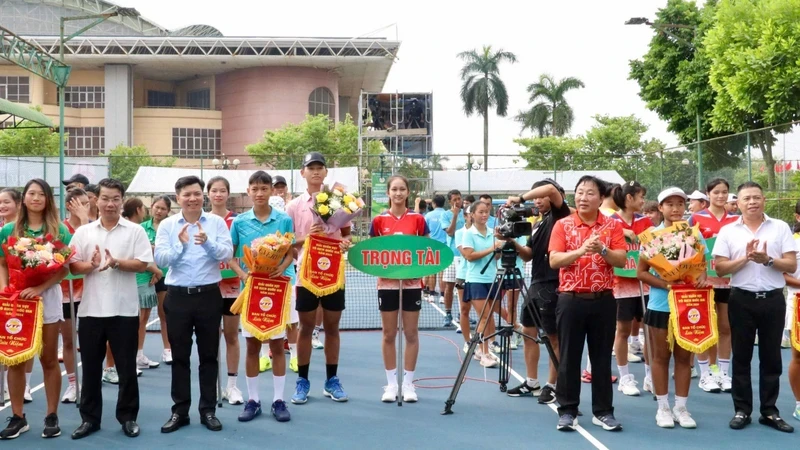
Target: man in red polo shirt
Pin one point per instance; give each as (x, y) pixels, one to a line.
(586, 246)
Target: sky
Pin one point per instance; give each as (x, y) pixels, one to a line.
(585, 39)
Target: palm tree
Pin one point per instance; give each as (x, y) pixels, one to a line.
(436, 161)
(552, 115)
(483, 89)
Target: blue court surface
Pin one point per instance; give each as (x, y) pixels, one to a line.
(484, 417)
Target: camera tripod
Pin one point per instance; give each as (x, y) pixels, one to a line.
(507, 272)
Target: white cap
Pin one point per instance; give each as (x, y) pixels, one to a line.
(732, 198)
(671, 192)
(277, 203)
(697, 195)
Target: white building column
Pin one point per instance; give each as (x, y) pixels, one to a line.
(119, 105)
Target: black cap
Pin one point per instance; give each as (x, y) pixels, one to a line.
(278, 180)
(77, 178)
(313, 157)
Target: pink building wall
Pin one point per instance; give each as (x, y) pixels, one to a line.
(257, 99)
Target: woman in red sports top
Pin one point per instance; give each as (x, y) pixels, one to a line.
(629, 198)
(399, 220)
(715, 378)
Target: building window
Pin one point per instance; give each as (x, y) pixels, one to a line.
(87, 141)
(196, 142)
(85, 97)
(199, 99)
(15, 89)
(158, 99)
(321, 102)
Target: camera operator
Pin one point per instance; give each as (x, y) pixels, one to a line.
(548, 197)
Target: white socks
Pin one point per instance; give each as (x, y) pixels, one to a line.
(140, 353)
(724, 364)
(408, 377)
(391, 377)
(704, 370)
(293, 351)
(680, 401)
(232, 381)
(663, 401)
(623, 370)
(278, 384)
(27, 379)
(647, 371)
(531, 381)
(252, 388)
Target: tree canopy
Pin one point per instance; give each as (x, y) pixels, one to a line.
(124, 162)
(28, 139)
(551, 115)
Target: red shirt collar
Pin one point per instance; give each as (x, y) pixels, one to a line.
(601, 220)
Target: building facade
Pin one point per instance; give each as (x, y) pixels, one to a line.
(190, 93)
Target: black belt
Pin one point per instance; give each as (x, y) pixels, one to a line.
(762, 294)
(192, 290)
(544, 282)
(587, 295)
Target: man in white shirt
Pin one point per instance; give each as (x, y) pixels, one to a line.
(756, 251)
(109, 252)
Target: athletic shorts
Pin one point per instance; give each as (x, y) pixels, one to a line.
(147, 296)
(656, 319)
(53, 307)
(307, 302)
(481, 291)
(389, 300)
(545, 297)
(449, 274)
(459, 283)
(226, 306)
(629, 308)
(721, 295)
(160, 286)
(66, 312)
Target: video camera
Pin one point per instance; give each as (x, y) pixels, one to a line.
(513, 221)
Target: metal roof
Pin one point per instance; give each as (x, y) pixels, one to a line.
(12, 114)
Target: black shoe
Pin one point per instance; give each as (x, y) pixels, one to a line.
(524, 390)
(84, 430)
(776, 422)
(174, 423)
(547, 396)
(16, 426)
(740, 420)
(210, 421)
(130, 428)
(51, 428)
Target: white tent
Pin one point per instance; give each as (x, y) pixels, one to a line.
(504, 181)
(161, 180)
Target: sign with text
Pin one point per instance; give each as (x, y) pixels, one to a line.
(267, 306)
(400, 257)
(692, 318)
(20, 329)
(322, 266)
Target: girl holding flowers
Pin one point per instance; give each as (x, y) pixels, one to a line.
(399, 220)
(672, 204)
(38, 217)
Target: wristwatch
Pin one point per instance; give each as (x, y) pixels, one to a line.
(522, 198)
(770, 262)
(604, 251)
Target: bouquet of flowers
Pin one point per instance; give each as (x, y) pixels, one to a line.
(262, 256)
(675, 253)
(335, 206)
(31, 261)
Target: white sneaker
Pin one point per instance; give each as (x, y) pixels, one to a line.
(139, 372)
(441, 300)
(664, 418)
(513, 344)
(166, 356)
(110, 375)
(709, 384)
(488, 362)
(143, 362)
(316, 342)
(694, 372)
(70, 396)
(389, 394)
(682, 416)
(627, 385)
(27, 395)
(785, 341)
(635, 347)
(478, 355)
(466, 347)
(633, 358)
(234, 396)
(723, 381)
(409, 393)
(648, 385)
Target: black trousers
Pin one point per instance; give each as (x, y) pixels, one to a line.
(750, 315)
(580, 320)
(197, 314)
(122, 335)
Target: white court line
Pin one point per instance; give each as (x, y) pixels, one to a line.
(63, 373)
(583, 432)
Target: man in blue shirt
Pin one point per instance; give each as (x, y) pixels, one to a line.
(261, 221)
(434, 221)
(486, 198)
(451, 221)
(192, 244)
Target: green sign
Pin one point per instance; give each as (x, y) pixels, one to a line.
(400, 257)
(629, 271)
(380, 198)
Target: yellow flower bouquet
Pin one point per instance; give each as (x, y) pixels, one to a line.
(335, 206)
